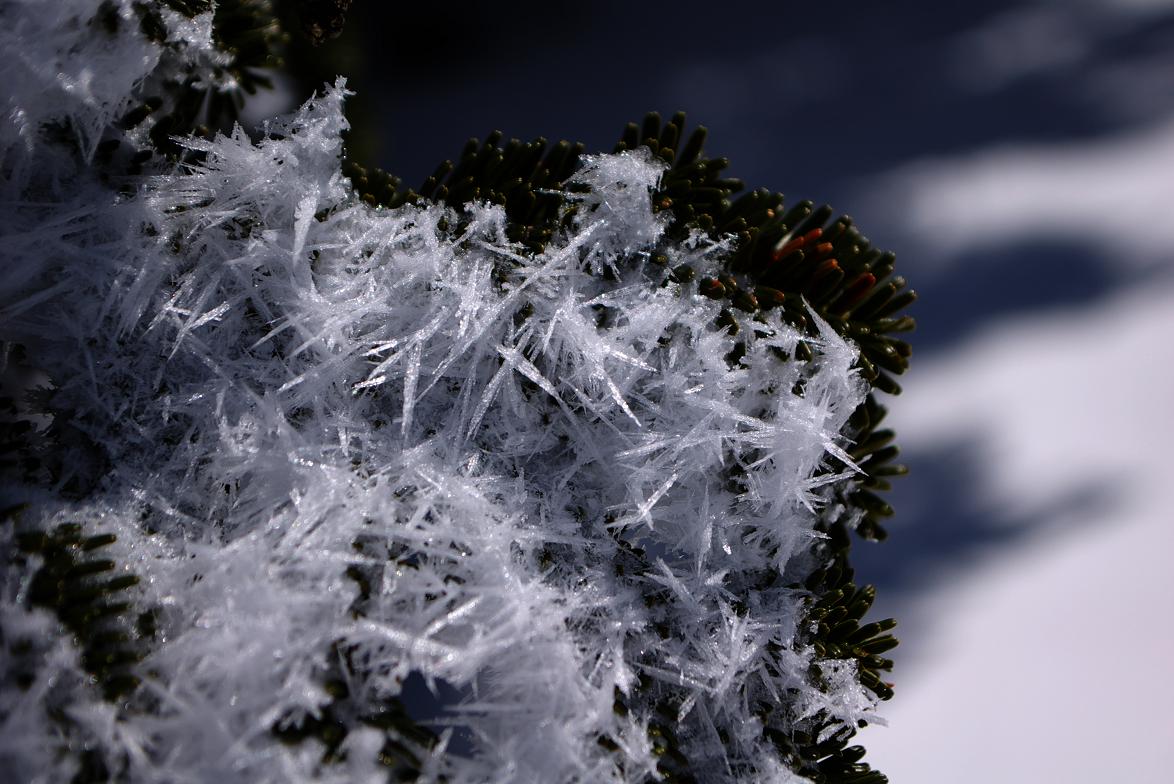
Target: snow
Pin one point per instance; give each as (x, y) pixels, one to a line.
(1100, 194)
(1044, 661)
(1045, 657)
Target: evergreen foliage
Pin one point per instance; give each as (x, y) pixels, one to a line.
(792, 259)
(788, 286)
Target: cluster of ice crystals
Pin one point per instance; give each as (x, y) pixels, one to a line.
(58, 66)
(283, 384)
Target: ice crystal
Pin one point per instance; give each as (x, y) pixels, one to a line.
(341, 443)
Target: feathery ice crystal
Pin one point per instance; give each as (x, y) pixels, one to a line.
(342, 446)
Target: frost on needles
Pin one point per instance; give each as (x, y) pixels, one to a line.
(295, 449)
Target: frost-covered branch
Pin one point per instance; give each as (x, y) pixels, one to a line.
(312, 447)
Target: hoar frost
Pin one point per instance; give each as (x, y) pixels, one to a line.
(385, 443)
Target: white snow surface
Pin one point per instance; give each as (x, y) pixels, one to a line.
(1070, 192)
(1057, 648)
(1044, 658)
(285, 382)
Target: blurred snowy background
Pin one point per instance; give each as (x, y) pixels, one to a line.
(1019, 158)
